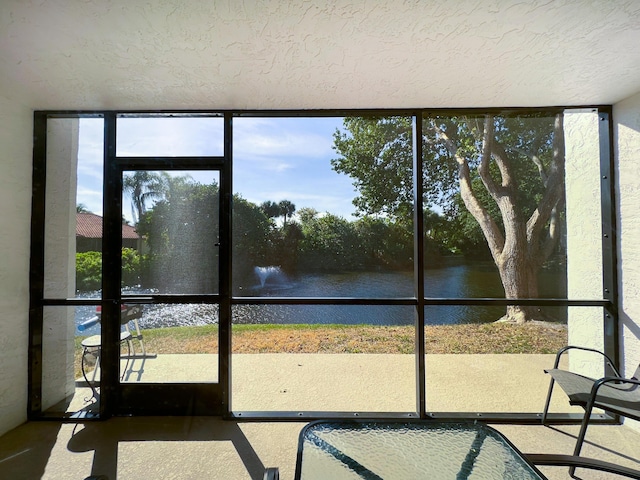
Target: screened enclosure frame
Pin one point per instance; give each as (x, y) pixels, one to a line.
(215, 399)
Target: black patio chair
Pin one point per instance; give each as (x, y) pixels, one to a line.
(611, 393)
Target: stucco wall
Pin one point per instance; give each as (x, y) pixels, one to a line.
(626, 115)
(584, 238)
(59, 269)
(16, 127)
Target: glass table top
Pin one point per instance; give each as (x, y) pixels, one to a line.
(408, 450)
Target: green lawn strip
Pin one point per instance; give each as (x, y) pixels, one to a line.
(333, 338)
(466, 338)
(492, 338)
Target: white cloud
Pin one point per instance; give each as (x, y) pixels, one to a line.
(257, 138)
(274, 158)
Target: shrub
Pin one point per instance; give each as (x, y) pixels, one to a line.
(130, 267)
(89, 269)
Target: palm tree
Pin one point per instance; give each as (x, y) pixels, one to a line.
(142, 187)
(270, 209)
(287, 209)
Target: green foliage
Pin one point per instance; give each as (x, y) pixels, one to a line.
(377, 154)
(142, 187)
(251, 242)
(283, 208)
(384, 243)
(89, 269)
(131, 267)
(183, 228)
(180, 229)
(331, 243)
(328, 243)
(287, 209)
(270, 209)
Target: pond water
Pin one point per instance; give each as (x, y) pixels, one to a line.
(476, 280)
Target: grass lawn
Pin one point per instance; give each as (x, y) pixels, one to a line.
(459, 339)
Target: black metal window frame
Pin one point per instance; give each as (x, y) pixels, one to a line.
(117, 398)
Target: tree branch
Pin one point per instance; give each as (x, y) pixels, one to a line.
(537, 162)
(485, 158)
(554, 234)
(489, 228)
(547, 207)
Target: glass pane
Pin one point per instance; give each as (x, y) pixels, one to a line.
(169, 136)
(328, 361)
(171, 242)
(323, 314)
(347, 450)
(300, 228)
(68, 369)
(275, 281)
(502, 227)
(169, 343)
(499, 367)
(73, 228)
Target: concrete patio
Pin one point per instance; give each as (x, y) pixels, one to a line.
(204, 447)
(207, 447)
(360, 382)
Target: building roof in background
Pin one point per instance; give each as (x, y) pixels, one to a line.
(89, 225)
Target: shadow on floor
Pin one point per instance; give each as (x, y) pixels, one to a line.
(26, 450)
(105, 439)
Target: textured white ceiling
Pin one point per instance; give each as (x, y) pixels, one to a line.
(256, 54)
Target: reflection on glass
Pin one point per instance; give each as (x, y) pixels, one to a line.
(300, 229)
(491, 367)
(169, 136)
(73, 228)
(318, 363)
(64, 386)
(175, 218)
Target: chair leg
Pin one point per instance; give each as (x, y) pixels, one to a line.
(548, 402)
(91, 384)
(126, 365)
(581, 435)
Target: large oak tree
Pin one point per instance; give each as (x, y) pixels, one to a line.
(507, 172)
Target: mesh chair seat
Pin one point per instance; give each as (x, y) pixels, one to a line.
(621, 398)
(612, 393)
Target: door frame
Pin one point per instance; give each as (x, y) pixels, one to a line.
(176, 398)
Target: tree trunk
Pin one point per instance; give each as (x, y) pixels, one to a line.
(519, 277)
(519, 250)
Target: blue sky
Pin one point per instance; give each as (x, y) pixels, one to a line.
(274, 158)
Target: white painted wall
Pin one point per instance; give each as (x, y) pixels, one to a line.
(626, 115)
(16, 141)
(584, 237)
(59, 269)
